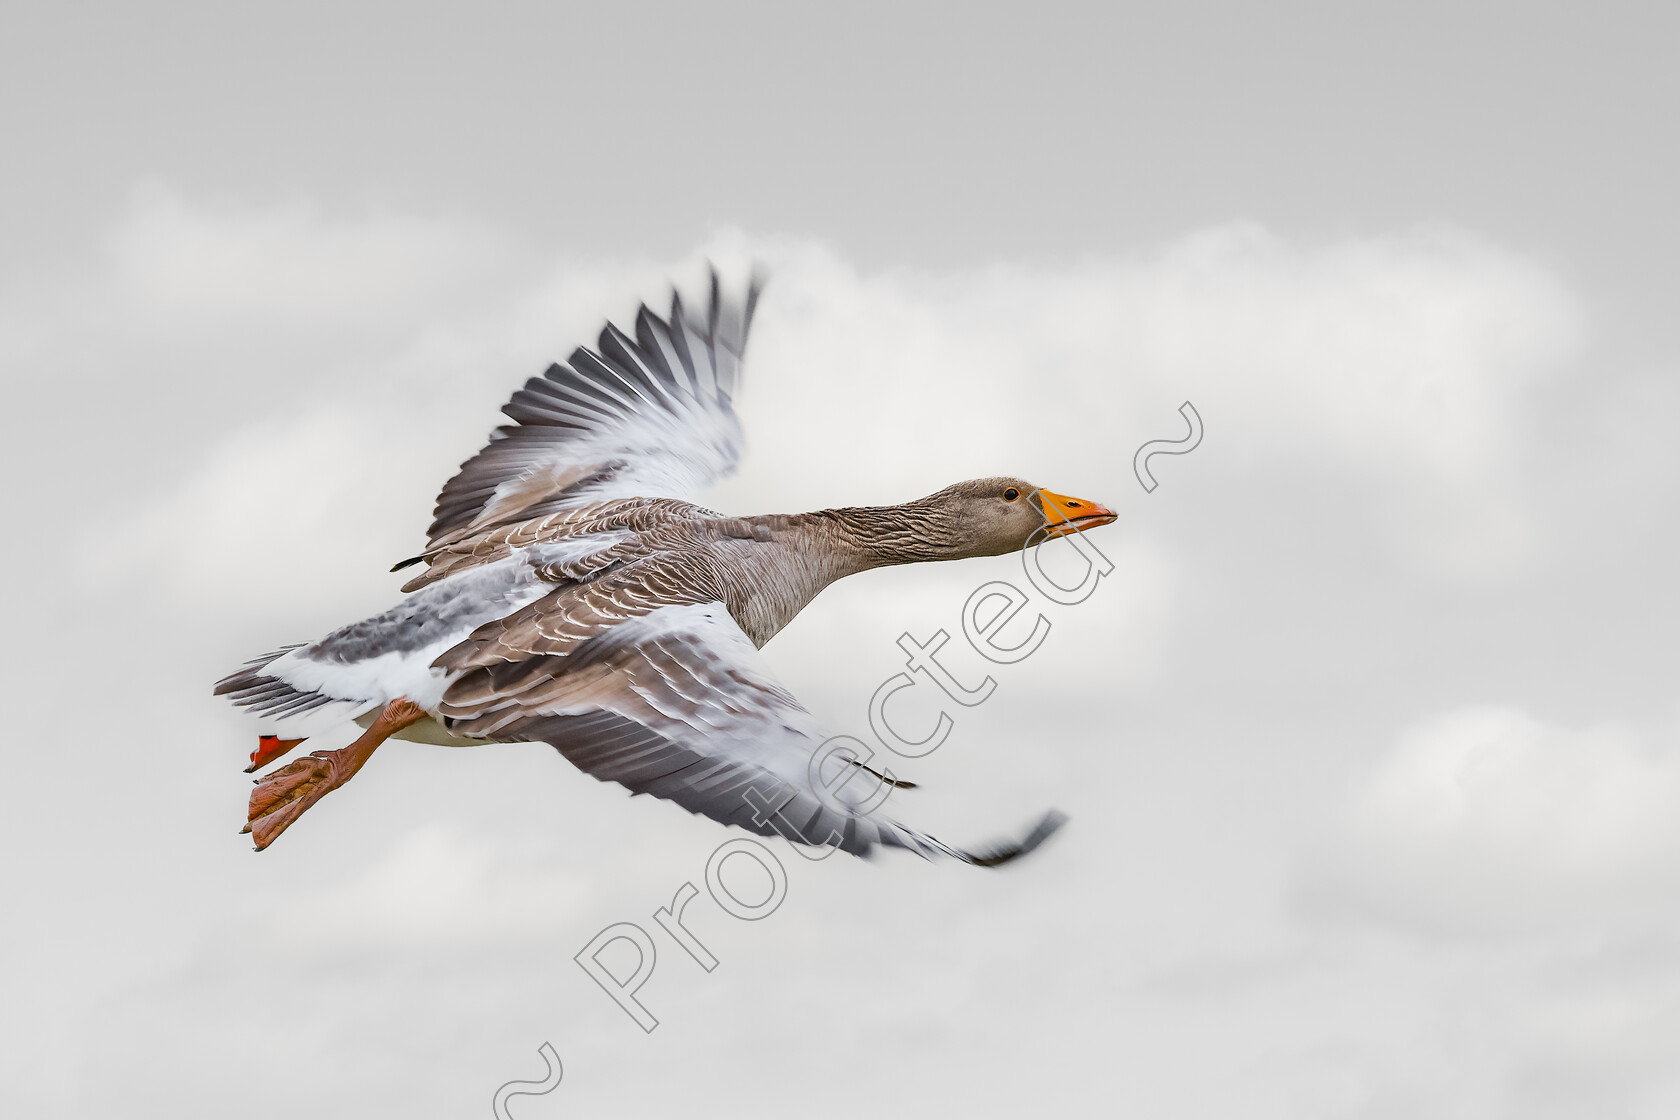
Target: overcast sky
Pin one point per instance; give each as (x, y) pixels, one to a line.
(1370, 741)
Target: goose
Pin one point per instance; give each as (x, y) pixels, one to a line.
(572, 594)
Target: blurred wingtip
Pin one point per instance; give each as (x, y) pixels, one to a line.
(997, 857)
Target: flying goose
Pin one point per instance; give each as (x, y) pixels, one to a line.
(573, 595)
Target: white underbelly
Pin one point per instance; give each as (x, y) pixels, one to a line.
(427, 730)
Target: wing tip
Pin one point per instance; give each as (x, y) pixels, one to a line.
(596, 392)
(1046, 827)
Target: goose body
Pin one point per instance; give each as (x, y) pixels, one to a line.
(573, 595)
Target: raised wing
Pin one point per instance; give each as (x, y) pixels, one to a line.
(645, 417)
(678, 703)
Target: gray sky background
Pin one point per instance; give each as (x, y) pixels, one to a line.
(1370, 743)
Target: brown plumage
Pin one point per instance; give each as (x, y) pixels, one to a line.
(572, 595)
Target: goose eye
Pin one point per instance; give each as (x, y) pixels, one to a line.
(1011, 494)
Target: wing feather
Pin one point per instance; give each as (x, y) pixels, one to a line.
(650, 416)
(676, 702)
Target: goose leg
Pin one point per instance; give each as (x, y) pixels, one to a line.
(285, 795)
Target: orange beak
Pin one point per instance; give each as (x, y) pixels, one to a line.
(1065, 515)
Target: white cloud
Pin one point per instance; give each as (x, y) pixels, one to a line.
(188, 265)
(275, 502)
(1487, 818)
(1406, 346)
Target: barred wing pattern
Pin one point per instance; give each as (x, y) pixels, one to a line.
(648, 417)
(678, 703)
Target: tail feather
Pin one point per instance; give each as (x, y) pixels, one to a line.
(269, 696)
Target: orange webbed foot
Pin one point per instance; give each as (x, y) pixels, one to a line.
(285, 795)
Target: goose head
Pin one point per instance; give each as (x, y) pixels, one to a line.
(992, 516)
